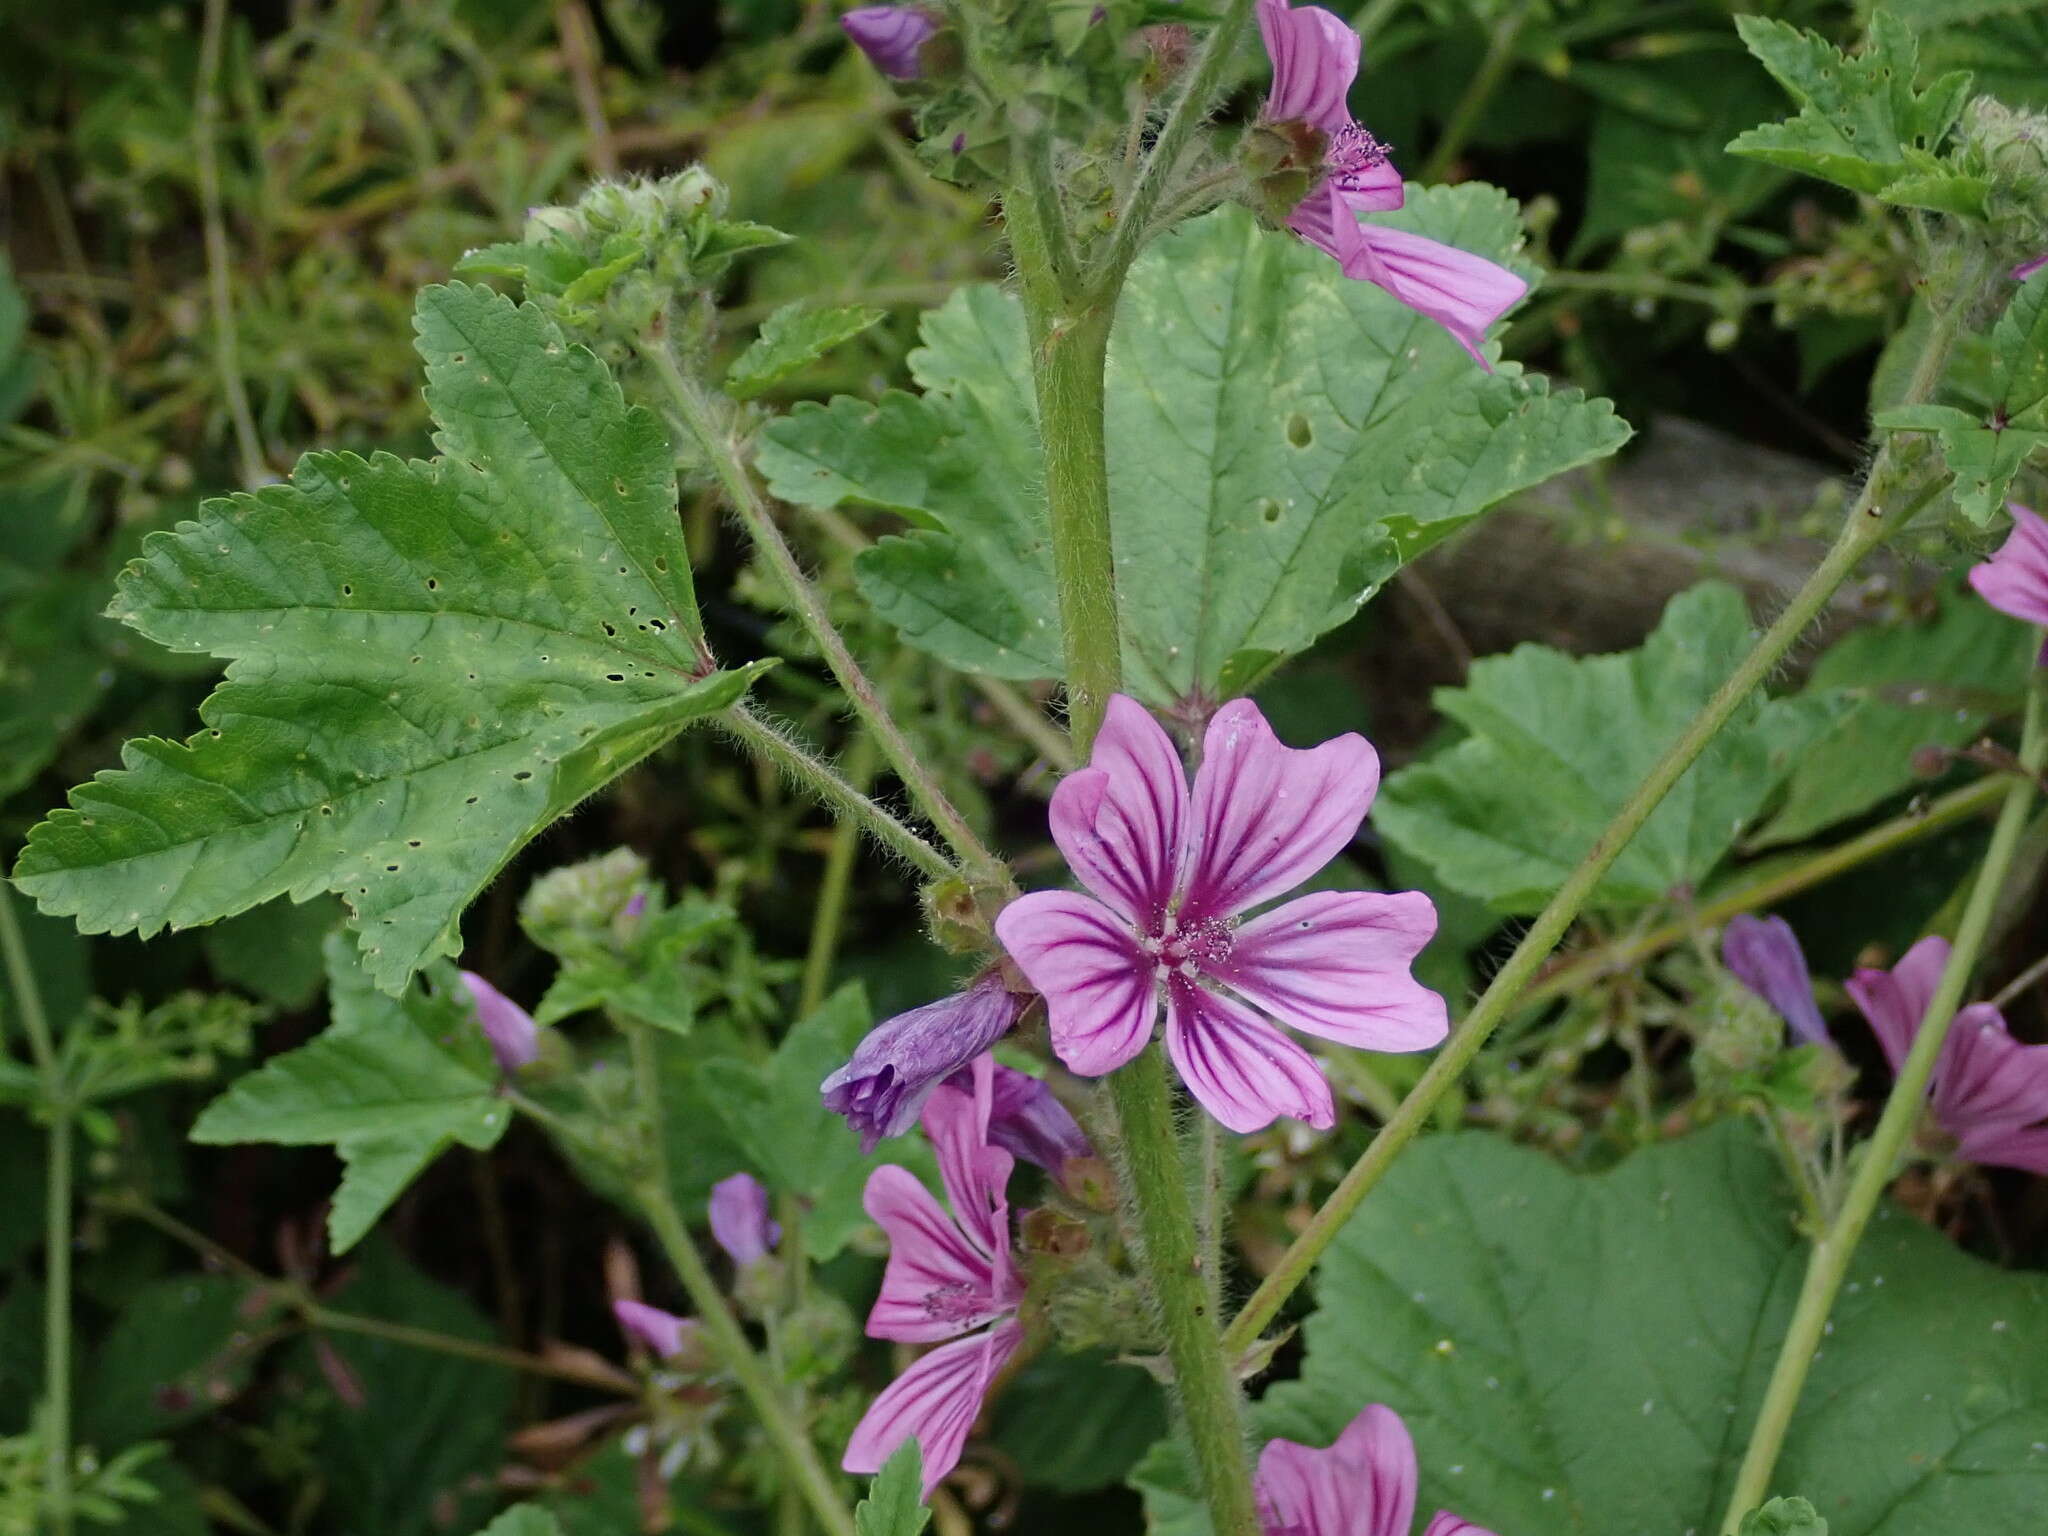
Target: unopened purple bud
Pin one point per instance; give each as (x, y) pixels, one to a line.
(960, 143)
(514, 1037)
(892, 36)
(895, 1069)
(1764, 955)
(1027, 1121)
(740, 1220)
(637, 907)
(2027, 269)
(661, 1332)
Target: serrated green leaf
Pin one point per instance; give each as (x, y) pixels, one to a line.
(1984, 452)
(796, 1145)
(429, 662)
(1784, 1517)
(1281, 440)
(895, 1504)
(391, 1084)
(1904, 686)
(1944, 191)
(1527, 1322)
(793, 338)
(1557, 744)
(1860, 116)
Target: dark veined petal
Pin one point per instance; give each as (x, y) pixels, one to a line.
(1120, 820)
(937, 1401)
(1097, 983)
(1336, 964)
(1241, 1069)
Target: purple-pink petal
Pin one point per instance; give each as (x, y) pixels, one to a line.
(514, 1037)
(936, 1401)
(1097, 983)
(895, 1068)
(663, 1333)
(1363, 1485)
(892, 36)
(740, 1220)
(1027, 1121)
(939, 1282)
(1315, 59)
(976, 1174)
(2015, 580)
(1120, 821)
(2027, 269)
(1764, 955)
(1336, 964)
(1895, 1001)
(1241, 1069)
(1461, 292)
(1266, 816)
(1444, 1523)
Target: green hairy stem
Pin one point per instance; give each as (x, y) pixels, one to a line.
(1870, 522)
(1828, 1264)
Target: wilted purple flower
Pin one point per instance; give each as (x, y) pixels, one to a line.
(893, 1070)
(1315, 59)
(1988, 1091)
(2027, 269)
(514, 1037)
(1764, 955)
(2015, 580)
(892, 36)
(1176, 872)
(950, 1277)
(1363, 1485)
(740, 1220)
(1027, 1121)
(663, 1333)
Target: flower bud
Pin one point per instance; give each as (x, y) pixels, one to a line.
(894, 1070)
(661, 1333)
(740, 1220)
(892, 36)
(582, 906)
(514, 1037)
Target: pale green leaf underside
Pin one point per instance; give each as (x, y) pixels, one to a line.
(793, 338)
(894, 1506)
(1281, 439)
(1557, 744)
(1862, 122)
(429, 662)
(390, 1084)
(1527, 1321)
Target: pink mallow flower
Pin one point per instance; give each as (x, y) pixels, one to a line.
(949, 1278)
(740, 1220)
(1315, 59)
(514, 1037)
(661, 1332)
(892, 36)
(1175, 875)
(1989, 1091)
(1364, 1485)
(2015, 580)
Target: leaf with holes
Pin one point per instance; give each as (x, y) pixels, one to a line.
(428, 662)
(1527, 1321)
(1862, 123)
(1281, 440)
(1557, 744)
(1986, 448)
(391, 1085)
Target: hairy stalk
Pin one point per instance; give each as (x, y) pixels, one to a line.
(55, 1419)
(1069, 346)
(753, 731)
(1868, 525)
(1828, 1264)
(1190, 109)
(700, 418)
(715, 1315)
(1170, 1245)
(828, 918)
(227, 353)
(1493, 69)
(1951, 809)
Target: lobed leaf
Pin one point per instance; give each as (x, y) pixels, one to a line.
(1525, 1321)
(1861, 117)
(428, 662)
(893, 1506)
(1558, 743)
(791, 339)
(1281, 440)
